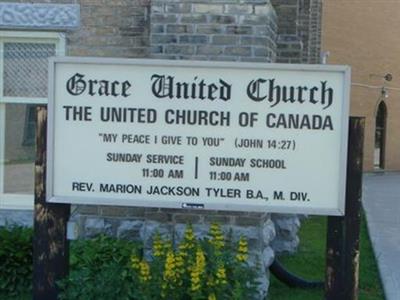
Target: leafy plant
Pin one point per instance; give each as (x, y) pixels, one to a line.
(210, 269)
(99, 269)
(99, 251)
(106, 283)
(15, 260)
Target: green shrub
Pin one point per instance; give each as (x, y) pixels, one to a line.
(98, 269)
(104, 283)
(15, 260)
(99, 251)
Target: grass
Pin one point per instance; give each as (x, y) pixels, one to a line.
(309, 263)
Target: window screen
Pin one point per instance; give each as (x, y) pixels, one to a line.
(25, 69)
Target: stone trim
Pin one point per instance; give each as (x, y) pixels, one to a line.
(11, 217)
(39, 16)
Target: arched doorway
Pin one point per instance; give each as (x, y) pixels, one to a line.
(380, 136)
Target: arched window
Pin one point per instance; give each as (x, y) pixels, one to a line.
(380, 136)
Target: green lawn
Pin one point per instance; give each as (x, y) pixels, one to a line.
(309, 263)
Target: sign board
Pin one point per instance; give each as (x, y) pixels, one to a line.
(201, 135)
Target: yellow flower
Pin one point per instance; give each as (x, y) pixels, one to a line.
(217, 237)
(180, 266)
(158, 247)
(221, 276)
(242, 253)
(189, 234)
(144, 274)
(169, 276)
(200, 260)
(241, 258)
(135, 262)
(197, 270)
(212, 297)
(183, 248)
(169, 268)
(243, 245)
(195, 281)
(189, 240)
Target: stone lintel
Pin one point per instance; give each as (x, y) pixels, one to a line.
(39, 16)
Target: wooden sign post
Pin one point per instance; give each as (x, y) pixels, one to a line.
(343, 236)
(50, 244)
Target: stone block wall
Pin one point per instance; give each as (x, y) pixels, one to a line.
(226, 30)
(117, 28)
(299, 30)
(286, 229)
(289, 44)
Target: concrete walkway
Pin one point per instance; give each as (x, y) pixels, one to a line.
(381, 201)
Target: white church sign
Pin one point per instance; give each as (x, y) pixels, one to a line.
(204, 135)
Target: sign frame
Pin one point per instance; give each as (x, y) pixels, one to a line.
(338, 211)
